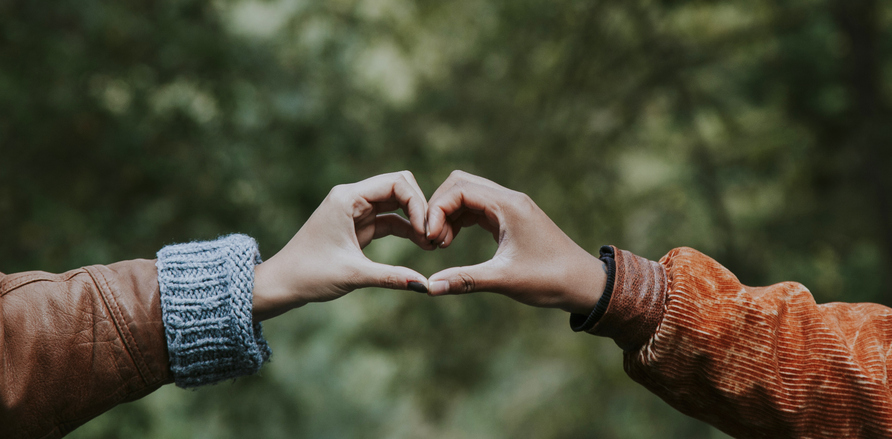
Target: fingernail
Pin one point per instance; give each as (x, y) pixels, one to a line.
(417, 287)
(439, 287)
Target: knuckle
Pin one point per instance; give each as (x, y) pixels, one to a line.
(464, 184)
(344, 195)
(338, 192)
(346, 198)
(402, 178)
(466, 283)
(457, 174)
(391, 281)
(523, 201)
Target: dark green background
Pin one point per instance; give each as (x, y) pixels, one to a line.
(755, 131)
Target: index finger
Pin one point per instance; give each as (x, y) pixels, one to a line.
(465, 193)
(396, 186)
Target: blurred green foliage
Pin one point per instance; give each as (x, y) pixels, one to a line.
(755, 131)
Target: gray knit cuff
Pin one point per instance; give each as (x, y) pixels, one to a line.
(206, 303)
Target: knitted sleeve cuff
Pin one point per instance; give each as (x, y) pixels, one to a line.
(206, 304)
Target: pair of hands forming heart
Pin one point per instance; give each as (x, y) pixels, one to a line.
(536, 263)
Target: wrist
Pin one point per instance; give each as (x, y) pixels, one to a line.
(270, 299)
(590, 280)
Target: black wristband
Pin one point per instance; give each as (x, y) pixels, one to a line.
(581, 322)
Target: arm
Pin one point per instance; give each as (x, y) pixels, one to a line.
(73, 345)
(76, 344)
(754, 362)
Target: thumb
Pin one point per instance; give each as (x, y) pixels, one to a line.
(469, 279)
(374, 274)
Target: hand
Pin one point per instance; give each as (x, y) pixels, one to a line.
(536, 263)
(324, 260)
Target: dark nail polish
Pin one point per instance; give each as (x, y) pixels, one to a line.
(418, 287)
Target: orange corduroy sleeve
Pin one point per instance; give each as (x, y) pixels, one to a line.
(754, 362)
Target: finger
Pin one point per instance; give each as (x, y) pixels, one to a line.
(412, 200)
(411, 179)
(460, 182)
(416, 210)
(460, 280)
(461, 218)
(448, 231)
(386, 187)
(458, 175)
(374, 274)
(393, 224)
(446, 236)
(461, 176)
(482, 200)
(411, 232)
(457, 221)
(386, 206)
(440, 218)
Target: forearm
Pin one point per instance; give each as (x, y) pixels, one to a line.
(76, 344)
(758, 362)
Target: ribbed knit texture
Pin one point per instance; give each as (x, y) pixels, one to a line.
(206, 303)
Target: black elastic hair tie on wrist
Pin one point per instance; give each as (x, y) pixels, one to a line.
(580, 322)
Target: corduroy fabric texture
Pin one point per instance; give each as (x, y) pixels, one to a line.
(206, 303)
(756, 362)
(636, 305)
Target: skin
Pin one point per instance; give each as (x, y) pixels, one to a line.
(535, 264)
(324, 260)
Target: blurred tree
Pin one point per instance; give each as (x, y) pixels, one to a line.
(754, 131)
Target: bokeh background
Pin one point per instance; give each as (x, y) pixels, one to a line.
(755, 131)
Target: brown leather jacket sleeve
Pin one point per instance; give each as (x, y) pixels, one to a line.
(73, 345)
(754, 362)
